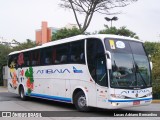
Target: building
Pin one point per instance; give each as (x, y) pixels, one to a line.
(70, 26)
(44, 34)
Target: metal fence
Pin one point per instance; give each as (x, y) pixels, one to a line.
(156, 89)
(156, 96)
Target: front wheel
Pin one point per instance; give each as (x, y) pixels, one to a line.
(22, 94)
(81, 102)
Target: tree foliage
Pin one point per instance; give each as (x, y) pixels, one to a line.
(25, 45)
(153, 48)
(64, 33)
(121, 31)
(4, 51)
(89, 7)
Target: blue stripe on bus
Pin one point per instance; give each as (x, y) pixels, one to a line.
(141, 99)
(63, 99)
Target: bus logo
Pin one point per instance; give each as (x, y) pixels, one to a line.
(77, 71)
(52, 71)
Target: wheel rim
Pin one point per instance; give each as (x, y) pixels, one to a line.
(82, 101)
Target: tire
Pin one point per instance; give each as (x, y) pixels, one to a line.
(80, 102)
(22, 94)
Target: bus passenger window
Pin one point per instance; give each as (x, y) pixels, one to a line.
(26, 59)
(61, 54)
(47, 60)
(77, 52)
(54, 55)
(35, 57)
(12, 63)
(46, 56)
(63, 59)
(82, 58)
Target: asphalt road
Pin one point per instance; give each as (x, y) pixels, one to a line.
(12, 102)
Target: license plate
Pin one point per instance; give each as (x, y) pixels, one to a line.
(136, 102)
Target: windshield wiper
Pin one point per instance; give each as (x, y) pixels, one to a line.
(137, 71)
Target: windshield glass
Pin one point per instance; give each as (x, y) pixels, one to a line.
(130, 65)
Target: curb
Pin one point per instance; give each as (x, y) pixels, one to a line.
(3, 89)
(156, 101)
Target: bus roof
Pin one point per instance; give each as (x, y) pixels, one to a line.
(75, 38)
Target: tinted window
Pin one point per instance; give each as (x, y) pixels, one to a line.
(46, 57)
(91, 55)
(12, 62)
(34, 57)
(67, 53)
(117, 46)
(137, 48)
(62, 52)
(101, 72)
(26, 59)
(97, 61)
(77, 52)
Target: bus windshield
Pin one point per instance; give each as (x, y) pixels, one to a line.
(130, 64)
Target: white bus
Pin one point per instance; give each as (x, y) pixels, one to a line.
(103, 71)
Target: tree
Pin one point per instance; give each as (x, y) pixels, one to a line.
(89, 7)
(64, 33)
(121, 31)
(153, 49)
(156, 72)
(28, 44)
(4, 51)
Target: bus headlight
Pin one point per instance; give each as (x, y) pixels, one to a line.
(115, 104)
(117, 96)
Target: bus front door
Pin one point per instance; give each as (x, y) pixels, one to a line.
(101, 82)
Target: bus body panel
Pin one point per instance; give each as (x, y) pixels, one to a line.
(58, 82)
(119, 98)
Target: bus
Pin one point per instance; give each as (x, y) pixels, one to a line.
(103, 71)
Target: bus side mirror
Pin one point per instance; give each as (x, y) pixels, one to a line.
(108, 54)
(151, 65)
(109, 64)
(150, 62)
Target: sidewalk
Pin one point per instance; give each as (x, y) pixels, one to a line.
(3, 89)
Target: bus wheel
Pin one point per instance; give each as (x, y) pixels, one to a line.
(21, 93)
(81, 102)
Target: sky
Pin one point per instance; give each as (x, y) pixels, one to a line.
(20, 18)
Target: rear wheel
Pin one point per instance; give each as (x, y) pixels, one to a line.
(81, 102)
(22, 94)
